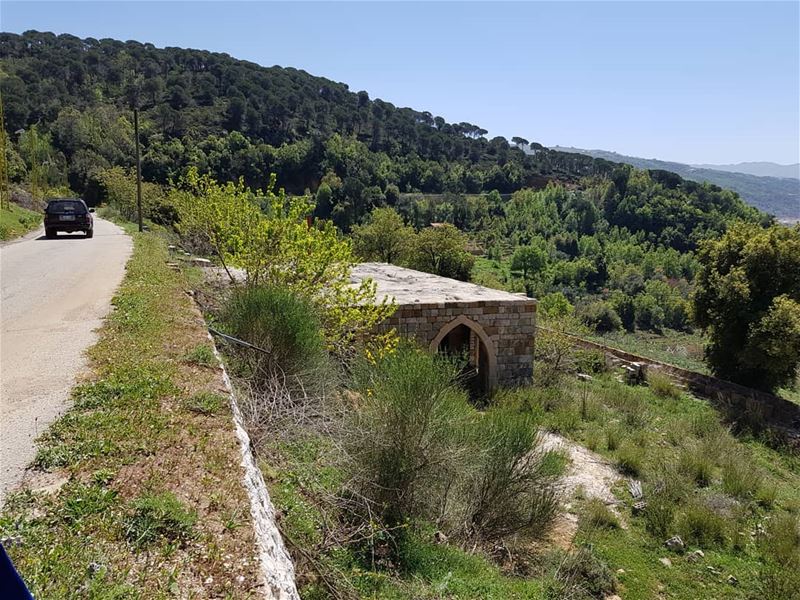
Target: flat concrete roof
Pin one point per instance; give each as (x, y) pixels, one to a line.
(408, 286)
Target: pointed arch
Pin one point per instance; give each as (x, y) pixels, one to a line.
(488, 344)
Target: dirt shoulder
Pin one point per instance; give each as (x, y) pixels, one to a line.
(137, 490)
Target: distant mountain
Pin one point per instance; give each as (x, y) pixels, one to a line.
(779, 196)
(760, 169)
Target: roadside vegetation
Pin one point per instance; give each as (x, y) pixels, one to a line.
(16, 221)
(136, 491)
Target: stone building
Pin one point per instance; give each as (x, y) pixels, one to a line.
(493, 329)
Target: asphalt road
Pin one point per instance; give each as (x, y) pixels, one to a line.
(54, 295)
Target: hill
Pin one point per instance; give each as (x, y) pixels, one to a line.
(779, 196)
(760, 169)
(68, 110)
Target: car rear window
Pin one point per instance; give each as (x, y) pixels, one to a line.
(63, 206)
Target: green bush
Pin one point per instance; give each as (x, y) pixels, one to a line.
(701, 525)
(406, 439)
(601, 317)
(782, 540)
(511, 488)
(590, 361)
(286, 329)
(159, 517)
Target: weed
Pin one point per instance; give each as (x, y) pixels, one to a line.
(613, 438)
(659, 515)
(630, 459)
(696, 465)
(85, 500)
(739, 477)
(699, 524)
(596, 515)
(159, 516)
(580, 574)
(201, 355)
(661, 385)
(205, 403)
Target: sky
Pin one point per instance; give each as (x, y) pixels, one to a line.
(695, 82)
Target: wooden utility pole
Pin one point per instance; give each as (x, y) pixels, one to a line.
(138, 169)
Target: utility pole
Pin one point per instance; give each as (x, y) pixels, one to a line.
(138, 169)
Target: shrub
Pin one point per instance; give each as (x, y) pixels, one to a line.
(697, 465)
(590, 361)
(740, 478)
(512, 488)
(782, 540)
(580, 574)
(701, 525)
(159, 516)
(405, 443)
(286, 329)
(661, 385)
(601, 317)
(659, 515)
(613, 438)
(630, 459)
(597, 515)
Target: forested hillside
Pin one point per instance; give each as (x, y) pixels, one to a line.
(68, 113)
(779, 196)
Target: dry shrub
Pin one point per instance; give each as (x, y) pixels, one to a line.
(512, 486)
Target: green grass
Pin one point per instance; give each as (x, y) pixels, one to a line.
(700, 482)
(145, 442)
(17, 221)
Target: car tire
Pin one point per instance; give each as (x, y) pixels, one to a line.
(50, 233)
(89, 233)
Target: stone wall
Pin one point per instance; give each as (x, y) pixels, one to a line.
(752, 408)
(506, 327)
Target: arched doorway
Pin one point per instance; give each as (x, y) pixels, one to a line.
(466, 339)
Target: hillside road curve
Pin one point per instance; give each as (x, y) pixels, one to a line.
(54, 294)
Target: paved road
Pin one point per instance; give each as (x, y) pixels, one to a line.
(55, 293)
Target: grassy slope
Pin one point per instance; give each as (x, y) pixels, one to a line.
(659, 432)
(17, 221)
(153, 505)
(300, 474)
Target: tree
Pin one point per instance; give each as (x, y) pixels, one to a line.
(519, 141)
(384, 237)
(442, 251)
(529, 260)
(748, 299)
(267, 234)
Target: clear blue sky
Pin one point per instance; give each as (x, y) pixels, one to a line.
(694, 82)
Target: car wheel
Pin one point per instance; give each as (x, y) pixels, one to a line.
(89, 233)
(50, 233)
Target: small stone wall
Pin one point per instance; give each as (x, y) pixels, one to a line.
(737, 401)
(506, 328)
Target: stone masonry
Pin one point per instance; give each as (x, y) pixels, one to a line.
(429, 307)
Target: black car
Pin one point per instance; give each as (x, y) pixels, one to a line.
(69, 215)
